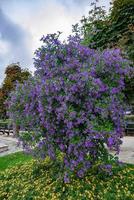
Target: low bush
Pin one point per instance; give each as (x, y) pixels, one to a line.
(42, 181)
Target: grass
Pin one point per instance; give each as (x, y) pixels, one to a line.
(14, 159)
(43, 181)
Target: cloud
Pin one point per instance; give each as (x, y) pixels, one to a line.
(77, 2)
(23, 22)
(9, 31)
(13, 45)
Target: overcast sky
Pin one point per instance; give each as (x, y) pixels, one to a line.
(23, 22)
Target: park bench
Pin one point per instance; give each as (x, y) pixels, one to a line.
(129, 127)
(6, 128)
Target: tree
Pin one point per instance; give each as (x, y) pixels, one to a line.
(13, 73)
(92, 25)
(113, 31)
(2, 107)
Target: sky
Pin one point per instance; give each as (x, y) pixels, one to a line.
(23, 22)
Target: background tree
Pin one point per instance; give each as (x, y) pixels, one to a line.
(96, 21)
(113, 30)
(109, 30)
(13, 73)
(2, 107)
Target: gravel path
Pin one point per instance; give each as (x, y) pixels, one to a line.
(127, 150)
(126, 153)
(11, 143)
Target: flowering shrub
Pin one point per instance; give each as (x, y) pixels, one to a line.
(74, 103)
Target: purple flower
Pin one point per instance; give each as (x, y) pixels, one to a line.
(89, 144)
(66, 178)
(110, 141)
(115, 91)
(62, 147)
(80, 173)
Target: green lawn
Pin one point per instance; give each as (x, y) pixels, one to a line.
(13, 160)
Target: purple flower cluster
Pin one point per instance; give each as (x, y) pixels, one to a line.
(73, 104)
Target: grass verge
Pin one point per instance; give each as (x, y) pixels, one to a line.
(13, 159)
